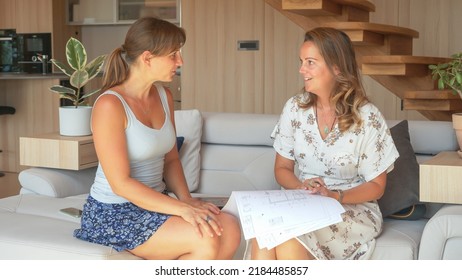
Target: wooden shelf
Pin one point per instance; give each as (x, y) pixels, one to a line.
(55, 151)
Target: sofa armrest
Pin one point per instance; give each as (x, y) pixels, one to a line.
(56, 182)
(442, 236)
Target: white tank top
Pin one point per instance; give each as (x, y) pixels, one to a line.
(146, 151)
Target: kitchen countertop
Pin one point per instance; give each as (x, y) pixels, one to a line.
(24, 76)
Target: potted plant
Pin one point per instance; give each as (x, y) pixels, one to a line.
(74, 120)
(449, 76)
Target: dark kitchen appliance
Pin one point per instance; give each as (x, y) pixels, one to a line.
(32, 47)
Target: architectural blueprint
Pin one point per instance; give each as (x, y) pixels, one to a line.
(275, 216)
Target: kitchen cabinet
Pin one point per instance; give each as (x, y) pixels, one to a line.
(108, 12)
(39, 16)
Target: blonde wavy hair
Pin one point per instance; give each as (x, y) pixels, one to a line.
(348, 94)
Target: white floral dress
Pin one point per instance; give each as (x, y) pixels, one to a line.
(343, 160)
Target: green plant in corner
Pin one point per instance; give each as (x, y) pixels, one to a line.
(449, 74)
(79, 72)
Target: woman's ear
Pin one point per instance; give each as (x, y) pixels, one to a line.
(146, 56)
(336, 70)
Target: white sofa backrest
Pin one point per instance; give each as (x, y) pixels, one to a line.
(428, 138)
(237, 153)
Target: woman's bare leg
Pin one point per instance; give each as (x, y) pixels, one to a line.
(176, 239)
(261, 254)
(289, 250)
(231, 236)
(292, 250)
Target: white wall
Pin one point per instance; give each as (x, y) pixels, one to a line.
(103, 39)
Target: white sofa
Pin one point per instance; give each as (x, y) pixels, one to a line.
(222, 152)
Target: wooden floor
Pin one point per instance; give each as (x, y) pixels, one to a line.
(9, 185)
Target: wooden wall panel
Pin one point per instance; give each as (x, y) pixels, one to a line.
(438, 22)
(36, 113)
(34, 16)
(282, 80)
(7, 14)
(215, 75)
(218, 77)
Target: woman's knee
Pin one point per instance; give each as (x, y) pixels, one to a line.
(207, 247)
(231, 226)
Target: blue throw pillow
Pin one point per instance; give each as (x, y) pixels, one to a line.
(179, 142)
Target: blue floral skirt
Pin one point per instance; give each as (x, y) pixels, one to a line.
(122, 226)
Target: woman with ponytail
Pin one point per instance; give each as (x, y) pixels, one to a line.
(134, 135)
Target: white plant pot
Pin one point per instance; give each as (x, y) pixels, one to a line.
(74, 121)
(457, 125)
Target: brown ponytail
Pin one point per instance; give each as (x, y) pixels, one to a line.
(115, 70)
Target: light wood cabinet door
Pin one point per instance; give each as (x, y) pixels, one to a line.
(34, 16)
(7, 14)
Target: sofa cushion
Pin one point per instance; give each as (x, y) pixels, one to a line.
(399, 240)
(56, 182)
(38, 230)
(189, 125)
(238, 128)
(402, 188)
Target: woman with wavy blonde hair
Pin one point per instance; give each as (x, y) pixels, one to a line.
(342, 148)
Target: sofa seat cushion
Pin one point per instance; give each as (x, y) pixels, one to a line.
(399, 240)
(34, 228)
(24, 236)
(44, 206)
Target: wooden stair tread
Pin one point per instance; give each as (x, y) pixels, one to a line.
(431, 94)
(398, 65)
(374, 27)
(408, 59)
(433, 105)
(432, 100)
(324, 7)
(367, 6)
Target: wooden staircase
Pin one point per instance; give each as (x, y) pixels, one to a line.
(384, 52)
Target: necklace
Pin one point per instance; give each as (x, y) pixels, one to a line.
(326, 129)
(145, 112)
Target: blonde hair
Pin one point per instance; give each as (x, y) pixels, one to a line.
(158, 36)
(348, 94)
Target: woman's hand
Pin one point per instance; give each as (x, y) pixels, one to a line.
(203, 217)
(202, 204)
(316, 185)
